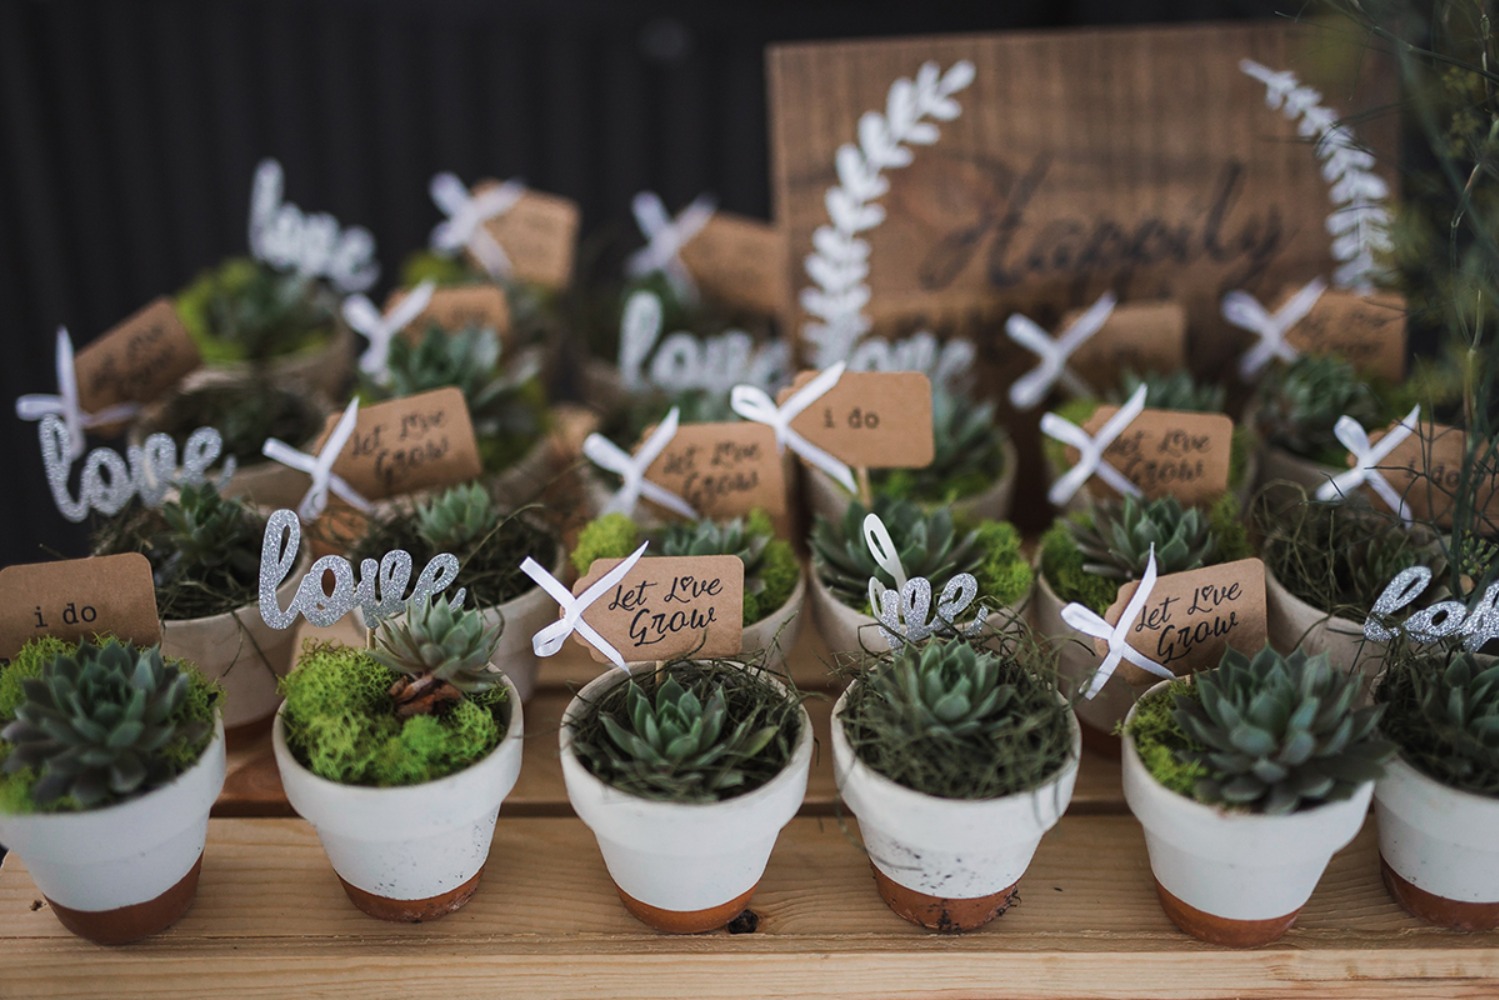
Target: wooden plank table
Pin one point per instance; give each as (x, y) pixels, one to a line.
(271, 920)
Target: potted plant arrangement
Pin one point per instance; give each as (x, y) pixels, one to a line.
(1247, 779)
(972, 469)
(686, 772)
(956, 759)
(204, 551)
(774, 591)
(400, 755)
(931, 545)
(110, 757)
(248, 318)
(1179, 391)
(490, 545)
(1087, 555)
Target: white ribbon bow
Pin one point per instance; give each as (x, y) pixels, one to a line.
(753, 403)
(35, 406)
(1367, 459)
(886, 556)
(631, 468)
(1087, 621)
(466, 215)
(380, 330)
(320, 468)
(665, 237)
(1091, 449)
(1032, 387)
(1245, 311)
(547, 641)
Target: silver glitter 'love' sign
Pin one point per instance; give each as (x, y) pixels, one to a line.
(110, 480)
(379, 593)
(1443, 620)
(907, 616)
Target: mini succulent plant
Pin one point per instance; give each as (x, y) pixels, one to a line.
(1177, 390)
(457, 518)
(693, 731)
(951, 720)
(244, 413)
(1300, 403)
(930, 545)
(245, 310)
(1442, 711)
(968, 457)
(771, 569)
(100, 724)
(441, 653)
(1275, 733)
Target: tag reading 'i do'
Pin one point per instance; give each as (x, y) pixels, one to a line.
(414, 443)
(873, 420)
(77, 599)
(1426, 469)
(1168, 453)
(669, 606)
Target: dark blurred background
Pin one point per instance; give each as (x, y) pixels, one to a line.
(129, 131)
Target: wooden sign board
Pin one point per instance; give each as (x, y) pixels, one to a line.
(77, 599)
(1138, 160)
(669, 606)
(404, 445)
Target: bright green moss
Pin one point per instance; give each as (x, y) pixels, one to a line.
(779, 570)
(1004, 575)
(612, 536)
(1076, 411)
(1062, 565)
(1158, 739)
(27, 665)
(1229, 528)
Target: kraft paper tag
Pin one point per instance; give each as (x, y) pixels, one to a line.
(137, 360)
(1138, 336)
(1367, 331)
(1168, 453)
(739, 261)
(872, 420)
(539, 234)
(458, 307)
(409, 444)
(722, 470)
(1192, 617)
(1426, 469)
(77, 599)
(669, 606)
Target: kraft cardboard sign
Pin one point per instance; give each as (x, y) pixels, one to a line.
(1426, 469)
(459, 307)
(77, 599)
(739, 261)
(136, 361)
(539, 234)
(1191, 618)
(1143, 161)
(669, 606)
(1139, 336)
(872, 420)
(723, 469)
(1167, 453)
(1367, 331)
(409, 444)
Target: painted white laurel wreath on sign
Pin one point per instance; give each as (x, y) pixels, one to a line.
(839, 263)
(1359, 223)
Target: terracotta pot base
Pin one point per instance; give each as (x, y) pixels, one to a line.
(1222, 930)
(132, 923)
(247, 734)
(1097, 741)
(686, 921)
(947, 916)
(1436, 909)
(413, 911)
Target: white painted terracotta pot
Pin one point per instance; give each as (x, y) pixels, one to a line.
(1278, 465)
(243, 654)
(948, 864)
(1438, 848)
(828, 499)
(682, 867)
(414, 852)
(1292, 622)
(780, 627)
(124, 872)
(1235, 878)
(845, 630)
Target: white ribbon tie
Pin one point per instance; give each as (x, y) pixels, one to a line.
(665, 237)
(1087, 621)
(65, 404)
(1032, 387)
(1245, 311)
(1091, 449)
(320, 468)
(466, 214)
(886, 556)
(631, 468)
(379, 330)
(1367, 459)
(549, 640)
(753, 403)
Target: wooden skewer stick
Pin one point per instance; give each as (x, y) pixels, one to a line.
(866, 493)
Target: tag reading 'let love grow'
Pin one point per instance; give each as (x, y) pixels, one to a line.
(409, 444)
(873, 420)
(1192, 617)
(1137, 336)
(538, 233)
(669, 606)
(453, 309)
(1367, 331)
(739, 261)
(77, 599)
(1168, 453)
(722, 469)
(137, 360)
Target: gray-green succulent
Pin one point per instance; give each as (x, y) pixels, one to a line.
(441, 652)
(1298, 406)
(1442, 710)
(1117, 540)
